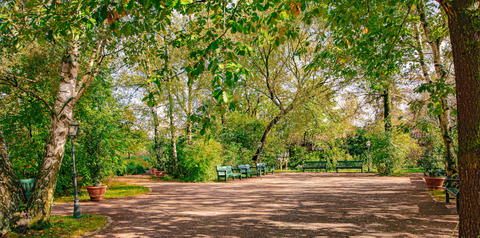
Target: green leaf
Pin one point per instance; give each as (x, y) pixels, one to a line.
(4, 25)
(185, 2)
(41, 40)
(150, 104)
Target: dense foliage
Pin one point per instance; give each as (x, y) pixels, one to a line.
(188, 85)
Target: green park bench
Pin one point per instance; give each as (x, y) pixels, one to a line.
(269, 169)
(28, 186)
(227, 171)
(247, 170)
(314, 165)
(350, 164)
(263, 168)
(452, 187)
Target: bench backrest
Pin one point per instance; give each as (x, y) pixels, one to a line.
(223, 170)
(350, 163)
(244, 168)
(314, 162)
(261, 166)
(451, 183)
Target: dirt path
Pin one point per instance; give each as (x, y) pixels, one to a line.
(278, 205)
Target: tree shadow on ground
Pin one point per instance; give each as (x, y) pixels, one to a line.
(280, 205)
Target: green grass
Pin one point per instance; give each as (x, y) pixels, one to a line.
(114, 190)
(414, 170)
(439, 195)
(287, 171)
(65, 226)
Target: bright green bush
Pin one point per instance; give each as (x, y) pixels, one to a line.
(389, 150)
(298, 154)
(197, 162)
(335, 154)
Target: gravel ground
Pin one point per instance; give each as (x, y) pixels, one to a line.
(278, 205)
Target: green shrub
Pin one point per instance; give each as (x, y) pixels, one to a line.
(389, 150)
(335, 154)
(134, 167)
(298, 154)
(197, 161)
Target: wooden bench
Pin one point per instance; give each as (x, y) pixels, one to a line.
(314, 165)
(350, 164)
(227, 171)
(247, 170)
(452, 187)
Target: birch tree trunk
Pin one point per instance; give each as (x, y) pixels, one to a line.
(41, 201)
(463, 24)
(11, 191)
(40, 204)
(444, 118)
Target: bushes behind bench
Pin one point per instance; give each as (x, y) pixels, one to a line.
(323, 164)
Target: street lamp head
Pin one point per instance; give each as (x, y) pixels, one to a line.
(73, 128)
(368, 143)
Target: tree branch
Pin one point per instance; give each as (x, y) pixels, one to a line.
(30, 92)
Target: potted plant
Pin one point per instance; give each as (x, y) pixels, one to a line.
(97, 173)
(433, 168)
(160, 174)
(152, 171)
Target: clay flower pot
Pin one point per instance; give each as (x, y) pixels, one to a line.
(96, 193)
(160, 174)
(152, 171)
(434, 183)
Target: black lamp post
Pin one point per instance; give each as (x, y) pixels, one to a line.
(72, 133)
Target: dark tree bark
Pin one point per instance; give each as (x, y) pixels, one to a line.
(387, 117)
(269, 128)
(464, 26)
(156, 139)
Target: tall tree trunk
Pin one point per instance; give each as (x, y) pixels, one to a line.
(157, 141)
(11, 191)
(41, 201)
(40, 204)
(172, 127)
(444, 117)
(463, 22)
(269, 128)
(189, 113)
(387, 117)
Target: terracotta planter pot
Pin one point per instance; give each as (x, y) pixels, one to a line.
(160, 174)
(152, 171)
(96, 193)
(434, 183)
